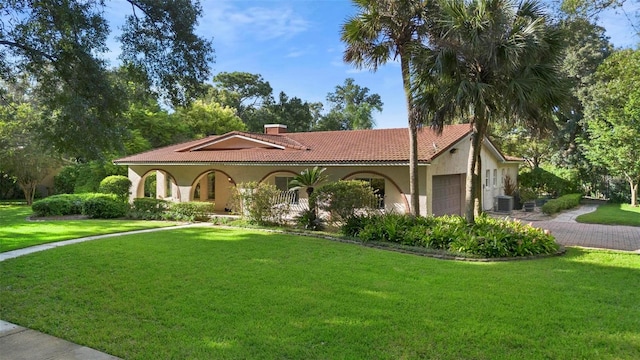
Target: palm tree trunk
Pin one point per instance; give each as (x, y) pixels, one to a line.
(413, 139)
(474, 171)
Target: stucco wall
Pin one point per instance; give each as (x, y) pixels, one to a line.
(397, 196)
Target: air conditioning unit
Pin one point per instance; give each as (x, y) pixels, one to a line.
(503, 203)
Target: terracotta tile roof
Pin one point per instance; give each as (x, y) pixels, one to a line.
(354, 146)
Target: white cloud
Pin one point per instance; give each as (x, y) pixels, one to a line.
(229, 22)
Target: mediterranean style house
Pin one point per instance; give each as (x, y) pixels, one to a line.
(207, 169)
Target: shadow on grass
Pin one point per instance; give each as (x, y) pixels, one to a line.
(218, 293)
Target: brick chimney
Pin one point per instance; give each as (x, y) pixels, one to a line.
(275, 129)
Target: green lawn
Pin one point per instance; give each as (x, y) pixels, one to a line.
(17, 232)
(613, 214)
(207, 293)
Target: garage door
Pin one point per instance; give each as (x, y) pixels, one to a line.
(447, 194)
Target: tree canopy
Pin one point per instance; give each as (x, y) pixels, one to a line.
(62, 47)
(383, 30)
(489, 60)
(613, 113)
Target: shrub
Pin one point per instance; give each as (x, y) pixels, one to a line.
(545, 182)
(105, 206)
(189, 211)
(488, 237)
(561, 203)
(149, 208)
(259, 203)
(116, 184)
(345, 198)
(65, 181)
(63, 204)
(309, 221)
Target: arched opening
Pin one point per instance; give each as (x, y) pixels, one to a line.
(392, 198)
(282, 180)
(213, 186)
(158, 184)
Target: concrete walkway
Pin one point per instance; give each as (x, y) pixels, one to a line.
(18, 343)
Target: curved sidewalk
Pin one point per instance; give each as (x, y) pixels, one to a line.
(568, 232)
(18, 343)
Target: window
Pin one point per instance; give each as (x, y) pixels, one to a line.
(377, 185)
(211, 185)
(283, 183)
(168, 186)
(502, 178)
(487, 179)
(495, 177)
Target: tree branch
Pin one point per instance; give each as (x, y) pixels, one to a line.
(27, 48)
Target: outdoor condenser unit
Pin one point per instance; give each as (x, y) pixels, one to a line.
(504, 203)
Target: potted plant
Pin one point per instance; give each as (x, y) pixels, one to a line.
(528, 197)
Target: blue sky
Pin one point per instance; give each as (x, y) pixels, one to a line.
(295, 45)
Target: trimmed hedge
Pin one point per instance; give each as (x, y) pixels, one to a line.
(76, 204)
(488, 237)
(58, 205)
(105, 206)
(116, 184)
(149, 208)
(189, 211)
(562, 203)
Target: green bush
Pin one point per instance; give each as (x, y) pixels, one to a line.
(116, 184)
(488, 237)
(344, 199)
(562, 203)
(309, 221)
(259, 203)
(105, 206)
(65, 181)
(149, 208)
(545, 182)
(63, 204)
(189, 211)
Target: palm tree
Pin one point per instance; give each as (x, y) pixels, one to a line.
(384, 30)
(309, 179)
(489, 60)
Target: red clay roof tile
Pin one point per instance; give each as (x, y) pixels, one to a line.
(354, 146)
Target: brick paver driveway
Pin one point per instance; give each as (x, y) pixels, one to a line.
(595, 236)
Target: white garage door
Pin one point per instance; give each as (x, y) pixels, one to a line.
(447, 194)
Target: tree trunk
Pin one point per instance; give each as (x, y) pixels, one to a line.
(477, 174)
(634, 192)
(413, 139)
(29, 190)
(473, 186)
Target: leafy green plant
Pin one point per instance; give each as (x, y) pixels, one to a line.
(189, 211)
(149, 208)
(308, 220)
(527, 194)
(488, 237)
(116, 184)
(345, 198)
(105, 206)
(258, 202)
(65, 181)
(62, 204)
(545, 182)
(562, 203)
(309, 179)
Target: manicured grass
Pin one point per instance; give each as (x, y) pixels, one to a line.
(242, 294)
(17, 232)
(613, 214)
